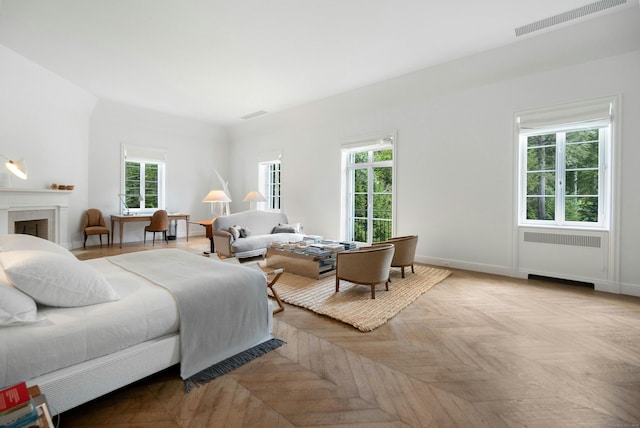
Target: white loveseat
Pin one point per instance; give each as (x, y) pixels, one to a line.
(250, 233)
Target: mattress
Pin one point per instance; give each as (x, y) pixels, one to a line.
(67, 336)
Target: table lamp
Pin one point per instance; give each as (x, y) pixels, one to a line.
(253, 198)
(17, 168)
(216, 196)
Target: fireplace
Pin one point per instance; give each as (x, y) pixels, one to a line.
(37, 227)
(25, 210)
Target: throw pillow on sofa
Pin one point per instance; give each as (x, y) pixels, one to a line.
(235, 231)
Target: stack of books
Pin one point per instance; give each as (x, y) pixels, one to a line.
(22, 407)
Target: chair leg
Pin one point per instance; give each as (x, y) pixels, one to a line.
(337, 284)
(402, 269)
(100, 235)
(144, 241)
(85, 240)
(373, 291)
(412, 271)
(154, 239)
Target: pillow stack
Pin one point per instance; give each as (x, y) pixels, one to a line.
(34, 270)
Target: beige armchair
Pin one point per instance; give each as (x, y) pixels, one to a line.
(159, 223)
(93, 224)
(367, 266)
(405, 251)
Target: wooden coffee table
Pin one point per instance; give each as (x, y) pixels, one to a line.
(312, 266)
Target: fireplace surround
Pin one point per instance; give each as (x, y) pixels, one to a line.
(18, 205)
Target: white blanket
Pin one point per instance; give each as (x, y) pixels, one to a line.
(223, 307)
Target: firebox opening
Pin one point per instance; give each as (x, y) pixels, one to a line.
(39, 227)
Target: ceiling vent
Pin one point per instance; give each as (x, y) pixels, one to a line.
(568, 16)
(254, 114)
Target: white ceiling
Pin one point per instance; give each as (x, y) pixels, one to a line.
(218, 60)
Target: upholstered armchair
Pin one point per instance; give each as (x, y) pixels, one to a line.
(159, 223)
(367, 266)
(93, 224)
(405, 251)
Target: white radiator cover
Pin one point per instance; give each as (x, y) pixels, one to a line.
(576, 255)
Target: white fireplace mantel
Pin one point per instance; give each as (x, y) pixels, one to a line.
(15, 203)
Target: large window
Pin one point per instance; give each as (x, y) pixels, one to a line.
(143, 181)
(564, 158)
(269, 182)
(369, 190)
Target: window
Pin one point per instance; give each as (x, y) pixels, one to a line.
(269, 182)
(369, 188)
(143, 181)
(564, 154)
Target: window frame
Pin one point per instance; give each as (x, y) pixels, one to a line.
(369, 145)
(271, 188)
(143, 156)
(561, 120)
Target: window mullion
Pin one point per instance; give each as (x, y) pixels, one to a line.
(560, 176)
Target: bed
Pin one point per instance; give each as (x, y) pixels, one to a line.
(81, 329)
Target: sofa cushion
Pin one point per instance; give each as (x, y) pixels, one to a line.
(250, 243)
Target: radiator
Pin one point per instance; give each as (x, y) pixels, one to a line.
(565, 254)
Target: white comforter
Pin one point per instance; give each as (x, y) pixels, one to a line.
(222, 310)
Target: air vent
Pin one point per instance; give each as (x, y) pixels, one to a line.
(254, 114)
(568, 16)
(563, 239)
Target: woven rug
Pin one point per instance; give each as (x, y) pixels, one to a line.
(353, 303)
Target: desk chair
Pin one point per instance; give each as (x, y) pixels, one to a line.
(159, 223)
(93, 224)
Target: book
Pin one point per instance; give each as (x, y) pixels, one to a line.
(13, 396)
(21, 417)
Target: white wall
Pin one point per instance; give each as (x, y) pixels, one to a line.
(45, 120)
(455, 151)
(194, 149)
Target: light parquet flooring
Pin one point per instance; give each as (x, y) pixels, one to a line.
(476, 350)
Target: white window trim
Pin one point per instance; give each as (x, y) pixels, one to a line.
(265, 159)
(368, 142)
(596, 112)
(132, 153)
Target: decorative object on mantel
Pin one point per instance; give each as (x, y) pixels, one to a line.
(62, 186)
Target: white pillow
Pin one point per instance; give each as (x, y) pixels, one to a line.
(56, 280)
(16, 308)
(20, 241)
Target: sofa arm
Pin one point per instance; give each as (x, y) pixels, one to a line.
(222, 243)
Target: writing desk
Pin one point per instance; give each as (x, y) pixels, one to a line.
(122, 219)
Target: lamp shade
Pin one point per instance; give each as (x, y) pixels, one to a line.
(216, 196)
(17, 168)
(254, 197)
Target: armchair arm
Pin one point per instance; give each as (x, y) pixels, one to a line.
(222, 243)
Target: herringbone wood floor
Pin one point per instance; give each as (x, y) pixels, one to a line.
(477, 350)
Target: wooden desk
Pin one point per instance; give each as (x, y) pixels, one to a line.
(208, 225)
(122, 219)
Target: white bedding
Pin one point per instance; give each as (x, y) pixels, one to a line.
(69, 336)
(218, 310)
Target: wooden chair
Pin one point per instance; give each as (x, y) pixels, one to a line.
(405, 251)
(93, 224)
(367, 266)
(159, 223)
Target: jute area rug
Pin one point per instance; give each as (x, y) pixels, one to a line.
(353, 303)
